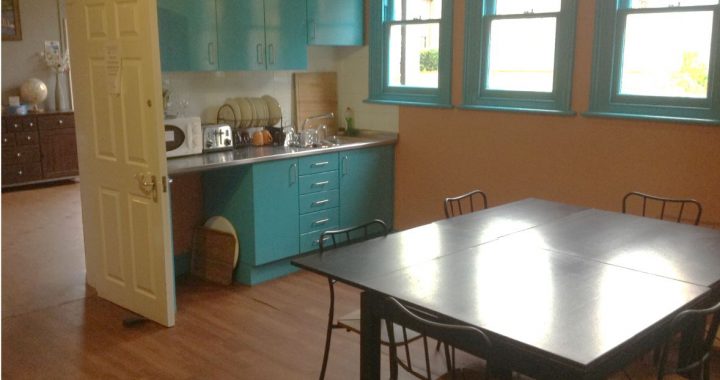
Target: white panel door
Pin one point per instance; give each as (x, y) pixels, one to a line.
(118, 109)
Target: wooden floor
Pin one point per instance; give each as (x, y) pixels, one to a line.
(55, 328)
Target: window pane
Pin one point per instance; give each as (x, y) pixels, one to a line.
(668, 3)
(413, 55)
(417, 10)
(522, 55)
(667, 54)
(504, 7)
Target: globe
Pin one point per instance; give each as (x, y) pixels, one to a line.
(33, 91)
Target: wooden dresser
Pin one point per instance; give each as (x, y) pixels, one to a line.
(38, 148)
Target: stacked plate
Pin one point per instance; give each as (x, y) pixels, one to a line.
(247, 112)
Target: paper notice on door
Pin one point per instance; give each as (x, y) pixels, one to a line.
(113, 66)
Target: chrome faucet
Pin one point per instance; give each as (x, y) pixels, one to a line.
(329, 115)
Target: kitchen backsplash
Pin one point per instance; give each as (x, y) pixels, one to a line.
(201, 93)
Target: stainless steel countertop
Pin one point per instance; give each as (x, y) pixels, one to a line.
(251, 154)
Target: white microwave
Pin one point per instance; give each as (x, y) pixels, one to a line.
(183, 136)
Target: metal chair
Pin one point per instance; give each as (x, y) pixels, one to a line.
(397, 313)
(351, 321)
(454, 205)
(677, 209)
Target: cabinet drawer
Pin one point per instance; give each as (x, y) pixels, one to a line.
(26, 138)
(314, 183)
(310, 241)
(19, 124)
(319, 221)
(319, 163)
(12, 174)
(21, 154)
(318, 201)
(56, 121)
(8, 140)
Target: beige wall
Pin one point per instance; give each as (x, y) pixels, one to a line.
(574, 159)
(21, 59)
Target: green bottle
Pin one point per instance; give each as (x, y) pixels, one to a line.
(350, 123)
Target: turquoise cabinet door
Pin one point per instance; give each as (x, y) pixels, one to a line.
(277, 228)
(366, 185)
(335, 22)
(188, 40)
(241, 34)
(285, 28)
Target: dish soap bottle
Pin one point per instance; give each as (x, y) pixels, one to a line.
(350, 123)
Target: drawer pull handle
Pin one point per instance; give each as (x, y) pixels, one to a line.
(31, 124)
(20, 172)
(29, 138)
(60, 122)
(19, 154)
(320, 203)
(16, 125)
(320, 184)
(317, 241)
(319, 164)
(5, 139)
(321, 222)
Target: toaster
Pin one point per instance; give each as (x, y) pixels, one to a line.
(217, 137)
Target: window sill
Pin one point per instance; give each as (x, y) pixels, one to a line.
(516, 109)
(408, 103)
(670, 119)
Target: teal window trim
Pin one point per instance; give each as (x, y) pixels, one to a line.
(605, 99)
(478, 17)
(380, 90)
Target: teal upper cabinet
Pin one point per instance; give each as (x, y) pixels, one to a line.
(261, 35)
(227, 35)
(188, 38)
(366, 185)
(335, 22)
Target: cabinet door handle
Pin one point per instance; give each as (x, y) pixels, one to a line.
(345, 165)
(320, 184)
(19, 154)
(320, 222)
(20, 172)
(211, 56)
(320, 203)
(60, 122)
(260, 54)
(16, 125)
(5, 139)
(319, 164)
(271, 54)
(293, 174)
(29, 138)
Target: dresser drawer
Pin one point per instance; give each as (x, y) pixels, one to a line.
(314, 183)
(8, 140)
(19, 124)
(311, 241)
(56, 121)
(21, 154)
(319, 221)
(318, 201)
(26, 138)
(12, 174)
(318, 163)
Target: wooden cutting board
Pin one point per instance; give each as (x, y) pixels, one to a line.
(316, 94)
(213, 255)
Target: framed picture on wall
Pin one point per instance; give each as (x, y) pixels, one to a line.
(11, 21)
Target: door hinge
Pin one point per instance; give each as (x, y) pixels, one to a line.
(164, 184)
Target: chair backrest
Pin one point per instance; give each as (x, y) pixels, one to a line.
(397, 313)
(454, 205)
(334, 238)
(662, 207)
(696, 355)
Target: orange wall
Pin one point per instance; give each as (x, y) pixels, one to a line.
(573, 159)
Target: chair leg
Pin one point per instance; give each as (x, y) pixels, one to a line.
(331, 316)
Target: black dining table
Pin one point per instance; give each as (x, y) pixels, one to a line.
(562, 291)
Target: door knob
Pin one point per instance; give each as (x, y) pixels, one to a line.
(147, 184)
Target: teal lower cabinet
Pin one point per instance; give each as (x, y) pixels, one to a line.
(280, 208)
(319, 198)
(366, 185)
(261, 201)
